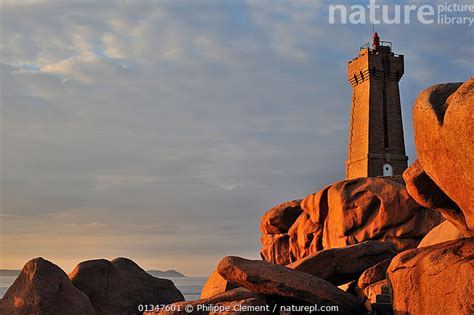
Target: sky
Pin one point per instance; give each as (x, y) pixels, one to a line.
(163, 130)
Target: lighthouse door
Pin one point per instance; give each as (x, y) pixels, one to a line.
(387, 169)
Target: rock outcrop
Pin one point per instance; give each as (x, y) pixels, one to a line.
(279, 219)
(444, 232)
(305, 238)
(350, 212)
(372, 288)
(427, 193)
(374, 274)
(372, 294)
(216, 285)
(274, 280)
(341, 265)
(444, 138)
(42, 288)
(120, 286)
(274, 227)
(276, 248)
(434, 280)
(374, 209)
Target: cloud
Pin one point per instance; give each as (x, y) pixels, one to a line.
(163, 130)
(65, 67)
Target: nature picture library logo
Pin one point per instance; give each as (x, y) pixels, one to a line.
(376, 13)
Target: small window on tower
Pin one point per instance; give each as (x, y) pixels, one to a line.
(387, 169)
(355, 79)
(361, 75)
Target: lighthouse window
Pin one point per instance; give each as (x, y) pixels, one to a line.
(387, 169)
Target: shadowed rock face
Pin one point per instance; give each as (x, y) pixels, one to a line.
(42, 288)
(425, 192)
(341, 265)
(434, 280)
(443, 118)
(120, 285)
(275, 280)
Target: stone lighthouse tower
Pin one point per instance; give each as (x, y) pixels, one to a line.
(376, 143)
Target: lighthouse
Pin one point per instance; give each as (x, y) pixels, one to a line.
(376, 142)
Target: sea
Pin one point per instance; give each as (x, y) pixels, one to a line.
(190, 287)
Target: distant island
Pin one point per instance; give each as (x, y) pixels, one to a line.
(165, 274)
(154, 273)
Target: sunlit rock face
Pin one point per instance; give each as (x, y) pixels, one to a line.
(305, 238)
(444, 232)
(215, 285)
(42, 288)
(274, 226)
(270, 279)
(352, 211)
(443, 118)
(374, 209)
(279, 219)
(434, 280)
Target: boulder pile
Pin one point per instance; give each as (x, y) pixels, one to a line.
(349, 212)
